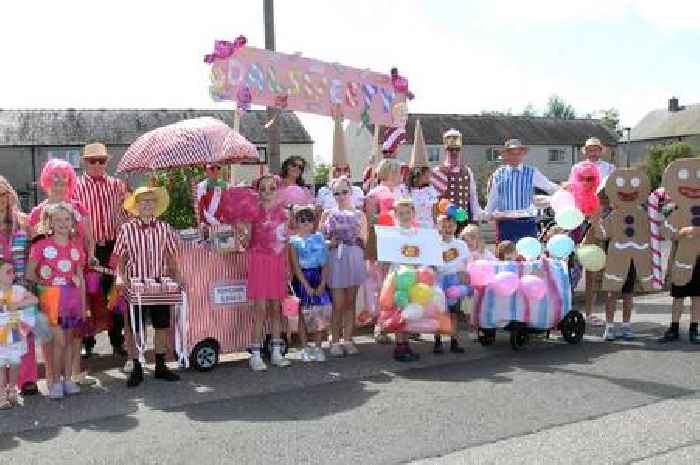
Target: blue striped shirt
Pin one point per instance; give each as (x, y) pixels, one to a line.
(513, 188)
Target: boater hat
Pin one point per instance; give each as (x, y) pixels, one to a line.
(513, 144)
(452, 139)
(162, 200)
(592, 142)
(96, 150)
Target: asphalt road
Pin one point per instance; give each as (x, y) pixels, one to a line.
(597, 402)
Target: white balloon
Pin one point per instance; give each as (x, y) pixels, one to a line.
(562, 200)
(412, 311)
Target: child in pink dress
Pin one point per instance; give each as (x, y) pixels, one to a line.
(267, 270)
(57, 263)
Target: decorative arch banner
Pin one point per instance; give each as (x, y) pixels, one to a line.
(292, 82)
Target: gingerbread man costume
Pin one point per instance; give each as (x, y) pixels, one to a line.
(681, 181)
(627, 228)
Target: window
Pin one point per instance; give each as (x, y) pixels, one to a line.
(556, 156)
(434, 154)
(72, 156)
(492, 155)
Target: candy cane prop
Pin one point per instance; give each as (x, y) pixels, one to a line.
(656, 199)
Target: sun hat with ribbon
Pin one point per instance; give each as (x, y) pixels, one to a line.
(96, 150)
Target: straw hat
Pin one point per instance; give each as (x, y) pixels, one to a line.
(162, 200)
(96, 150)
(592, 142)
(452, 139)
(419, 155)
(513, 144)
(340, 152)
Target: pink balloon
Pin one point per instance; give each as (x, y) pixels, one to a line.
(562, 200)
(293, 195)
(431, 310)
(426, 275)
(505, 283)
(453, 292)
(533, 287)
(481, 272)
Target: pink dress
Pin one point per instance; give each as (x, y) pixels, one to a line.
(267, 257)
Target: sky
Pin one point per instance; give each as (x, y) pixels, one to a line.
(460, 56)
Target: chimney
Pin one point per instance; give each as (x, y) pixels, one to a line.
(673, 105)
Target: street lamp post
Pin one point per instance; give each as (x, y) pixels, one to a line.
(629, 147)
(273, 132)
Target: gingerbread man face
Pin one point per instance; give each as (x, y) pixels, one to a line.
(627, 187)
(682, 182)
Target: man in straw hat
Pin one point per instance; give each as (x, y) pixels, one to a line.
(454, 180)
(592, 152)
(145, 248)
(511, 194)
(339, 167)
(103, 195)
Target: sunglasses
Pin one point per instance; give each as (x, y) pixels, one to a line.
(97, 161)
(339, 193)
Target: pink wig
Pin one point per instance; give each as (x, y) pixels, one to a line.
(584, 181)
(58, 166)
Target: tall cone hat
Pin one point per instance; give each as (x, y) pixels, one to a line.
(419, 154)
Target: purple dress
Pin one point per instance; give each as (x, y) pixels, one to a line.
(346, 263)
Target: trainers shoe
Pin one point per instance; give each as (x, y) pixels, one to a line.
(256, 363)
(337, 350)
(56, 391)
(694, 337)
(669, 336)
(609, 333)
(128, 366)
(307, 355)
(627, 333)
(350, 348)
(319, 355)
(278, 359)
(71, 388)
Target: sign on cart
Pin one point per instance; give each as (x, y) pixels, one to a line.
(229, 293)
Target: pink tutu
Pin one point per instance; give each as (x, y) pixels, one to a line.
(267, 276)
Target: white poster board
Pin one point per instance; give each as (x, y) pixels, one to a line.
(229, 293)
(408, 246)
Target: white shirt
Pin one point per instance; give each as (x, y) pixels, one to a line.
(399, 192)
(326, 200)
(424, 199)
(455, 253)
(539, 180)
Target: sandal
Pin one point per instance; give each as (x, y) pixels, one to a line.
(5, 404)
(12, 396)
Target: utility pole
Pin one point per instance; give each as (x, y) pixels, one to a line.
(628, 130)
(273, 131)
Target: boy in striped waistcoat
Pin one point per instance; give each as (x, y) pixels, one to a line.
(511, 193)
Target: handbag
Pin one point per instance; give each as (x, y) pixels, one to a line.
(290, 304)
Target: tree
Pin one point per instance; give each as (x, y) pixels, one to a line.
(180, 213)
(660, 156)
(609, 118)
(321, 174)
(529, 110)
(483, 175)
(508, 112)
(557, 107)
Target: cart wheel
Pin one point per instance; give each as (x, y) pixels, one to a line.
(487, 336)
(573, 326)
(519, 337)
(266, 350)
(205, 355)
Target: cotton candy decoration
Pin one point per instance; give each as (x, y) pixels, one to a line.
(293, 195)
(505, 283)
(583, 183)
(528, 247)
(532, 287)
(481, 272)
(239, 204)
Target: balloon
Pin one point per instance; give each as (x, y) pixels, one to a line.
(412, 312)
(444, 324)
(426, 275)
(405, 278)
(560, 246)
(461, 215)
(452, 210)
(505, 283)
(425, 325)
(386, 296)
(529, 247)
(401, 298)
(480, 272)
(432, 310)
(591, 256)
(443, 205)
(453, 292)
(561, 200)
(394, 324)
(533, 287)
(569, 218)
(438, 299)
(420, 293)
(385, 219)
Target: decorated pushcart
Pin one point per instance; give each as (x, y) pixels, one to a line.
(524, 298)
